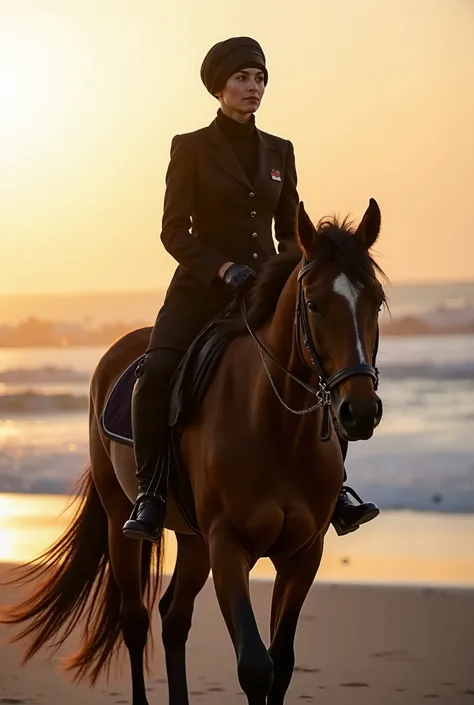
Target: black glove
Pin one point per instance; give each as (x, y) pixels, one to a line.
(240, 277)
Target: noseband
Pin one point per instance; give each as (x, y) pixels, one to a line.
(325, 384)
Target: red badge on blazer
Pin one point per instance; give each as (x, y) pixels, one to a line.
(275, 174)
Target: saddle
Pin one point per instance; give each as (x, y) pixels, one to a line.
(187, 391)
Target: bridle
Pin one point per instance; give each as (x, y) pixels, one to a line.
(303, 333)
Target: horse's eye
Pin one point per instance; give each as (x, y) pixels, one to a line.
(312, 308)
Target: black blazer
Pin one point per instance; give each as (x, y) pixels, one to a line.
(213, 214)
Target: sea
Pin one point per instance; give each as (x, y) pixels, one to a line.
(421, 457)
(418, 467)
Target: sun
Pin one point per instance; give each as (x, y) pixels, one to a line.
(31, 76)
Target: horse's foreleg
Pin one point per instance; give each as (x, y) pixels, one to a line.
(176, 609)
(230, 568)
(293, 581)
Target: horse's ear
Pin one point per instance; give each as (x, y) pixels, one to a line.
(369, 226)
(306, 229)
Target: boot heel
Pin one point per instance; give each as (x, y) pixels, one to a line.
(341, 529)
(135, 530)
(147, 519)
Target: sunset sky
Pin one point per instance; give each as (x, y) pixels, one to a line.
(377, 97)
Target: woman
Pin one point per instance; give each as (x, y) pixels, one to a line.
(227, 182)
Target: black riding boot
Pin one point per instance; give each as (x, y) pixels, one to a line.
(349, 515)
(150, 410)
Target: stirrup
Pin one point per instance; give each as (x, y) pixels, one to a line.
(349, 490)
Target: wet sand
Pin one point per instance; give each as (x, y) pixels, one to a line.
(400, 547)
(356, 644)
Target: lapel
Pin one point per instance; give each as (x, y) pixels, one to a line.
(266, 157)
(226, 158)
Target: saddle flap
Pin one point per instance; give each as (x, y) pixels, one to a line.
(196, 371)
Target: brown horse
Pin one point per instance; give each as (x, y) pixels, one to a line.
(265, 480)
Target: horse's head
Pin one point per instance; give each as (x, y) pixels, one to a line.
(340, 297)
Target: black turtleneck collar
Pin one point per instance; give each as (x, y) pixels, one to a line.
(242, 137)
(235, 130)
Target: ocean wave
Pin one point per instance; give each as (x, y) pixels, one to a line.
(52, 389)
(49, 374)
(428, 370)
(33, 402)
(393, 474)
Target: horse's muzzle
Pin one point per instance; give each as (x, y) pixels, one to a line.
(357, 418)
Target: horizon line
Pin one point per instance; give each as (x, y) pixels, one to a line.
(99, 292)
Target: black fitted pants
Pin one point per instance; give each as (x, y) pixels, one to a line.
(187, 309)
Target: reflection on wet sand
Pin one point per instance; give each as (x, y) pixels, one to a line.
(399, 547)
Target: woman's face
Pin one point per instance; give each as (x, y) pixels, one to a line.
(243, 92)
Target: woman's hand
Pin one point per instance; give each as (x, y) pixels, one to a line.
(240, 277)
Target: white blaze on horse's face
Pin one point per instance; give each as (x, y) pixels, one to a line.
(345, 288)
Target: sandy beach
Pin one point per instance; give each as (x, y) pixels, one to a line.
(356, 644)
(389, 621)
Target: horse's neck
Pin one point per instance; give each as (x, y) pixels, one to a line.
(298, 433)
(280, 331)
(280, 339)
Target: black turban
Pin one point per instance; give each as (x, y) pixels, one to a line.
(228, 57)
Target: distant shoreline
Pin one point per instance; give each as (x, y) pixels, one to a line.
(94, 344)
(53, 335)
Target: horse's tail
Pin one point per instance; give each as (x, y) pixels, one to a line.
(75, 573)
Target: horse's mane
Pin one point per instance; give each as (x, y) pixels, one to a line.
(338, 245)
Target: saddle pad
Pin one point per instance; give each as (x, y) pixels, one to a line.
(116, 417)
(188, 386)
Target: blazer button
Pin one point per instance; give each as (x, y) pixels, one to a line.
(254, 235)
(251, 194)
(253, 214)
(255, 255)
